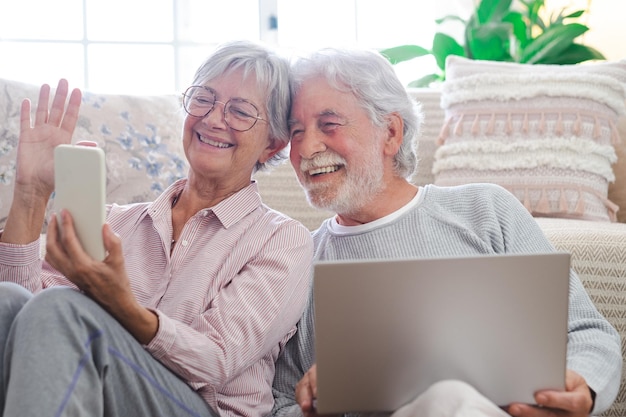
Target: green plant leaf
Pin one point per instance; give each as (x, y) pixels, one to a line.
(532, 14)
(553, 41)
(444, 45)
(518, 25)
(500, 30)
(560, 18)
(492, 10)
(467, 36)
(426, 80)
(403, 53)
(574, 15)
(490, 41)
(519, 31)
(575, 54)
(448, 18)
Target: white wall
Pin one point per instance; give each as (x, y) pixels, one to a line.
(605, 18)
(607, 25)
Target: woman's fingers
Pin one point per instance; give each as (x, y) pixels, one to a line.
(58, 103)
(25, 115)
(41, 114)
(57, 114)
(70, 118)
(52, 242)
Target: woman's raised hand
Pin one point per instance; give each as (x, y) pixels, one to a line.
(34, 177)
(53, 125)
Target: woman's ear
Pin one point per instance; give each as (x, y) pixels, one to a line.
(394, 131)
(272, 149)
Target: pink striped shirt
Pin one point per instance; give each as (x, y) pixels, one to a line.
(228, 298)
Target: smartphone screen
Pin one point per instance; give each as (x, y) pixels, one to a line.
(80, 187)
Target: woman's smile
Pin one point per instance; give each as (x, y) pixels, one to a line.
(214, 142)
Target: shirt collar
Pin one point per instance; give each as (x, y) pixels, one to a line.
(228, 211)
(238, 205)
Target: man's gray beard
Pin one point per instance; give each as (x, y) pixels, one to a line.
(359, 188)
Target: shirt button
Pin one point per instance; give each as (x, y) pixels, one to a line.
(184, 243)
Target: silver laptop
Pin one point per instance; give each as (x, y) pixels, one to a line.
(387, 330)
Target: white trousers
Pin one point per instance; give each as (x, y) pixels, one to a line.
(451, 399)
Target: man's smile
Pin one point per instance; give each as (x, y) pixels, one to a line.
(323, 170)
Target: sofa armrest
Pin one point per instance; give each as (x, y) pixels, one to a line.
(598, 252)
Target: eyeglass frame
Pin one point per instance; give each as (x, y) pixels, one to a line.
(215, 101)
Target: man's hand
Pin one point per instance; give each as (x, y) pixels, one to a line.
(306, 392)
(575, 401)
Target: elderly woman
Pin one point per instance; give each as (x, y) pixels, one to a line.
(199, 290)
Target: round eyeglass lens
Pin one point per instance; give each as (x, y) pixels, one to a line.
(198, 101)
(240, 114)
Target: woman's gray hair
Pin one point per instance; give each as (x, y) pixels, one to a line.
(271, 71)
(373, 81)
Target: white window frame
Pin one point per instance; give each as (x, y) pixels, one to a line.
(268, 17)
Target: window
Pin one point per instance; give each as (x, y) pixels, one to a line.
(154, 46)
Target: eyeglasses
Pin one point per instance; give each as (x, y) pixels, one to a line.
(239, 114)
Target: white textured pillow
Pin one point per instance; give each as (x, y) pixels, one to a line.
(141, 136)
(544, 132)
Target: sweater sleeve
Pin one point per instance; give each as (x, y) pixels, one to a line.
(594, 346)
(496, 222)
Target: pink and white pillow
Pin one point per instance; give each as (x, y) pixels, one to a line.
(547, 133)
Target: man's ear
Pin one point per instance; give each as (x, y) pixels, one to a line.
(272, 149)
(394, 133)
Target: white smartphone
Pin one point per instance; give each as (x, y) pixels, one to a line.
(80, 187)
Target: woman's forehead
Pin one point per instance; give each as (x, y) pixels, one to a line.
(235, 83)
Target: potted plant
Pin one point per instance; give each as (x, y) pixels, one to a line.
(497, 31)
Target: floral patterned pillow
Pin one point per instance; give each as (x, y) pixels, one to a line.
(141, 136)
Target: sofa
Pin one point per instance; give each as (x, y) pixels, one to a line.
(141, 138)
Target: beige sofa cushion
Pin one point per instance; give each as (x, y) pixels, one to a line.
(281, 191)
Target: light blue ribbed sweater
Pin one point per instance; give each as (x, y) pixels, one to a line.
(459, 221)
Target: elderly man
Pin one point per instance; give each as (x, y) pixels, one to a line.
(353, 130)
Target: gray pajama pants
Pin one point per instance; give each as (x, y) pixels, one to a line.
(61, 354)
